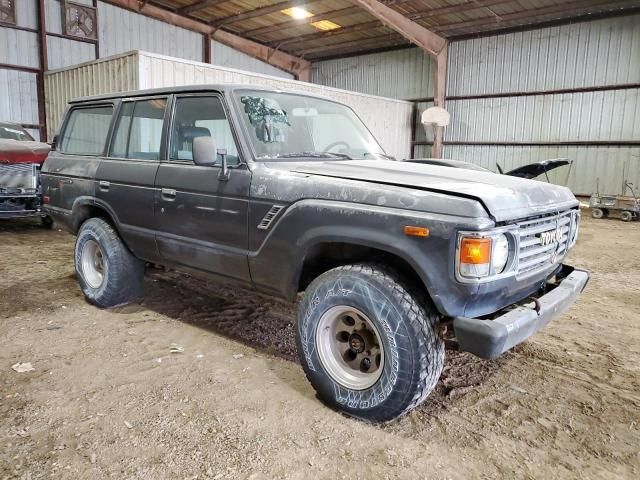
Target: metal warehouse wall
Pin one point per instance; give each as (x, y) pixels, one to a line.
(226, 56)
(568, 91)
(406, 74)
(121, 31)
(19, 65)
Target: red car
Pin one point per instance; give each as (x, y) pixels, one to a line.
(20, 160)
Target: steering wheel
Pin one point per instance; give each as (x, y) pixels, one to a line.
(335, 144)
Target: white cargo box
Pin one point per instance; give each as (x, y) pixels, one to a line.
(388, 119)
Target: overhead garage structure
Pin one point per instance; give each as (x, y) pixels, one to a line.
(523, 80)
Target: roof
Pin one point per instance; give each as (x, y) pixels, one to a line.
(357, 31)
(220, 87)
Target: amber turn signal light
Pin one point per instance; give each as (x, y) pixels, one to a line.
(411, 231)
(475, 250)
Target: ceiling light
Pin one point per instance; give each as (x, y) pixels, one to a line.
(325, 25)
(297, 12)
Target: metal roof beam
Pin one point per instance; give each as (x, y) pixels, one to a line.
(199, 5)
(470, 5)
(573, 8)
(427, 40)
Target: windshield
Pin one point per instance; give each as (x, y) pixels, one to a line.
(14, 132)
(285, 125)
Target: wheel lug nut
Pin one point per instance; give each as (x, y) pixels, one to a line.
(365, 365)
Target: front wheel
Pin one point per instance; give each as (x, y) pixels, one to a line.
(626, 216)
(368, 346)
(109, 274)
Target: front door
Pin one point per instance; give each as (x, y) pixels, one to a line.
(126, 177)
(201, 219)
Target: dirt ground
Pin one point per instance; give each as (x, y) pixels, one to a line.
(108, 399)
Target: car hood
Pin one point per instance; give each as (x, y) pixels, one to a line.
(533, 170)
(504, 197)
(13, 151)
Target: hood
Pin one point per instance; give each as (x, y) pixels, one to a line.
(533, 170)
(504, 197)
(14, 151)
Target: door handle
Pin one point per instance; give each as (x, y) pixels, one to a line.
(104, 186)
(168, 194)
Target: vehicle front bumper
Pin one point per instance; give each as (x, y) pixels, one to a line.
(489, 338)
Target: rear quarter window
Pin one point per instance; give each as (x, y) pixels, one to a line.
(86, 130)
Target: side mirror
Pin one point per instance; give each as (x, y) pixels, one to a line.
(54, 143)
(204, 151)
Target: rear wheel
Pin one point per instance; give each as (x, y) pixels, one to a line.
(108, 273)
(368, 346)
(626, 216)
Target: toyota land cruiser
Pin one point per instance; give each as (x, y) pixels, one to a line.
(288, 193)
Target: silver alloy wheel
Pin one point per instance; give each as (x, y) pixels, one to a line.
(349, 347)
(92, 264)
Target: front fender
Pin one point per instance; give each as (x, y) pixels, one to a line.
(276, 265)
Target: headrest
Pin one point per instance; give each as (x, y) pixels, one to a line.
(188, 132)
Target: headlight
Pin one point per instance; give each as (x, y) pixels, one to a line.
(500, 255)
(482, 255)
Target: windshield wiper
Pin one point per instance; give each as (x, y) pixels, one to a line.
(315, 155)
(383, 155)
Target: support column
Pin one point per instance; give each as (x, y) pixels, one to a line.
(439, 97)
(44, 65)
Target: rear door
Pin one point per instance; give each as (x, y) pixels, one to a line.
(201, 219)
(69, 172)
(126, 177)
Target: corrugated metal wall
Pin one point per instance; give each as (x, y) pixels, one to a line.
(228, 57)
(20, 100)
(602, 54)
(502, 72)
(19, 48)
(388, 119)
(406, 74)
(120, 31)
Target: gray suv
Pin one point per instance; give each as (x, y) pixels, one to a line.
(287, 193)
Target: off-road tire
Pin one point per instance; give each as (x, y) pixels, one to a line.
(597, 213)
(414, 351)
(626, 216)
(123, 273)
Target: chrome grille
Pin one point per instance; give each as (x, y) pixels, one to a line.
(533, 255)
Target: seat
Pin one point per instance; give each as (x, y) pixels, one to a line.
(186, 134)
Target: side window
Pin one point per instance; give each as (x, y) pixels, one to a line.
(139, 130)
(198, 117)
(86, 131)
